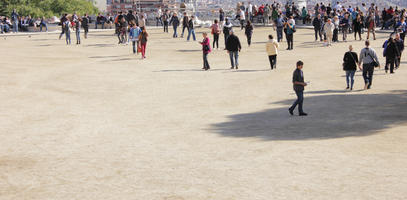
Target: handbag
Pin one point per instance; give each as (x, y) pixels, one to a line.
(374, 63)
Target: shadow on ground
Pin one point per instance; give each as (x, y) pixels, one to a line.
(331, 116)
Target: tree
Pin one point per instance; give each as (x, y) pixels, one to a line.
(47, 8)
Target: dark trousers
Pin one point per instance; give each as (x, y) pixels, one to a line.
(359, 32)
(226, 38)
(165, 26)
(273, 61)
(134, 47)
(403, 36)
(299, 101)
(368, 73)
(205, 61)
(183, 30)
(390, 61)
(290, 41)
(318, 33)
(86, 30)
(335, 36)
(215, 40)
(249, 39)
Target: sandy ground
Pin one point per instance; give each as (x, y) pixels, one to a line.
(96, 122)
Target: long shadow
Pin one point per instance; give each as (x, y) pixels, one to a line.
(330, 91)
(100, 45)
(331, 116)
(189, 50)
(103, 56)
(249, 70)
(189, 70)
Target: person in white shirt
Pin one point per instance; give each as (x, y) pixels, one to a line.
(329, 31)
(242, 18)
(250, 11)
(338, 6)
(272, 51)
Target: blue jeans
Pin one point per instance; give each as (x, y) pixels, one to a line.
(43, 24)
(78, 36)
(1, 28)
(205, 61)
(191, 31)
(234, 58)
(299, 101)
(101, 22)
(68, 37)
(350, 74)
(15, 26)
(279, 34)
(175, 31)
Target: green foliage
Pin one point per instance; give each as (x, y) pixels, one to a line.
(47, 8)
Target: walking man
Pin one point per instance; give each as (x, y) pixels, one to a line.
(272, 50)
(317, 23)
(369, 59)
(191, 29)
(185, 22)
(299, 84)
(233, 47)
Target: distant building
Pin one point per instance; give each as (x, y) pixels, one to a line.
(114, 6)
(100, 4)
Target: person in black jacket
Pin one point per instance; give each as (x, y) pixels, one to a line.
(233, 47)
(350, 59)
(85, 24)
(317, 23)
(249, 32)
(185, 22)
(175, 23)
(357, 26)
(191, 29)
(392, 53)
(227, 27)
(299, 84)
(400, 47)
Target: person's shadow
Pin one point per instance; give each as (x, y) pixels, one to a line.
(330, 116)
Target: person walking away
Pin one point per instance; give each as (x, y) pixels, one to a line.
(78, 30)
(227, 27)
(206, 49)
(233, 47)
(317, 23)
(249, 32)
(290, 36)
(329, 31)
(368, 58)
(371, 25)
(85, 25)
(299, 84)
(134, 36)
(143, 43)
(400, 48)
(67, 31)
(164, 18)
(392, 54)
(345, 27)
(175, 23)
(357, 26)
(191, 28)
(14, 19)
(185, 22)
(350, 60)
(280, 26)
(215, 30)
(272, 51)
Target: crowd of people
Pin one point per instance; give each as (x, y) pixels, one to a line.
(328, 22)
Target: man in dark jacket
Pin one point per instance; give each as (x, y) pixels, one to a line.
(191, 29)
(392, 54)
(233, 47)
(85, 24)
(400, 48)
(317, 23)
(299, 84)
(185, 22)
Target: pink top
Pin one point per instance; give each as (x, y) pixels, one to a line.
(207, 43)
(215, 28)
